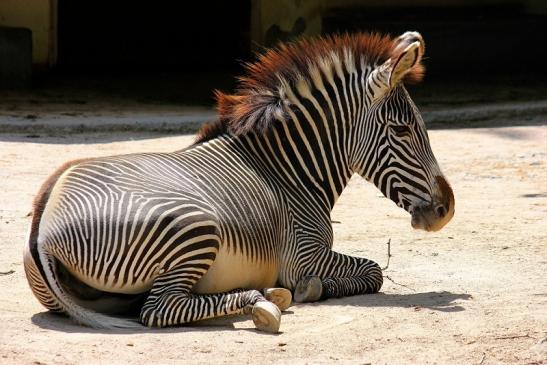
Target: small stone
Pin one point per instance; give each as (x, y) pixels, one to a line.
(540, 348)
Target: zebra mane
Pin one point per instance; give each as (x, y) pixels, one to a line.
(258, 99)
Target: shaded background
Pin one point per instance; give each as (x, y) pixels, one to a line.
(178, 52)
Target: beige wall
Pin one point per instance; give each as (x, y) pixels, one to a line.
(38, 16)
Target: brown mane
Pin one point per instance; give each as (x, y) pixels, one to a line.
(257, 99)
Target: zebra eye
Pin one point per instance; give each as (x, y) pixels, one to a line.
(400, 130)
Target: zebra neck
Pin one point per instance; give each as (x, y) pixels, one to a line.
(304, 157)
(317, 125)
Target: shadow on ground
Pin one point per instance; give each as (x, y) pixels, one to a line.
(61, 323)
(440, 301)
(102, 135)
(514, 134)
(534, 195)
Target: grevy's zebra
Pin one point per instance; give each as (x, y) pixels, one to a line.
(196, 233)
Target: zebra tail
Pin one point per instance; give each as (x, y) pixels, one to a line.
(68, 305)
(41, 269)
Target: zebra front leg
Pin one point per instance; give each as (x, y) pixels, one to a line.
(172, 303)
(332, 275)
(281, 297)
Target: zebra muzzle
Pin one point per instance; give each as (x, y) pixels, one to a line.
(434, 216)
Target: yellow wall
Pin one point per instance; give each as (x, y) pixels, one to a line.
(37, 16)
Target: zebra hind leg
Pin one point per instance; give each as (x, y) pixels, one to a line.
(172, 303)
(308, 289)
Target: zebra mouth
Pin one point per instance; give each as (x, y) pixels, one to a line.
(429, 218)
(419, 221)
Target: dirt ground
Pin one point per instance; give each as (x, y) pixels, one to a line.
(473, 293)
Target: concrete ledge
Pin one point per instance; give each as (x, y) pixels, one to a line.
(484, 115)
(185, 122)
(492, 115)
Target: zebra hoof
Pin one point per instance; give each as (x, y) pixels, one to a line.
(308, 289)
(266, 317)
(279, 296)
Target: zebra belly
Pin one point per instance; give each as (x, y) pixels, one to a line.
(138, 286)
(233, 270)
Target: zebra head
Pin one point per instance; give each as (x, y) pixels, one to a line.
(392, 146)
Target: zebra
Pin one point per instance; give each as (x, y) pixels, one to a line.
(239, 222)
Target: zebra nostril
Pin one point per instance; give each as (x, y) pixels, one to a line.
(441, 211)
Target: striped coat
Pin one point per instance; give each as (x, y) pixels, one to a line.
(240, 220)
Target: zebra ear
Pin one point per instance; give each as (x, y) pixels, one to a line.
(406, 39)
(404, 61)
(404, 64)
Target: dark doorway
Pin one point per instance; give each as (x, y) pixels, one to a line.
(463, 41)
(153, 35)
(154, 51)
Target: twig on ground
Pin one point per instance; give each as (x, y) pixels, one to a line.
(513, 337)
(388, 254)
(396, 283)
(9, 272)
(388, 243)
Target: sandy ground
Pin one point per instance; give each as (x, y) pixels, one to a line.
(474, 293)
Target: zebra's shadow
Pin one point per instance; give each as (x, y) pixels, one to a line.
(443, 301)
(439, 301)
(61, 323)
